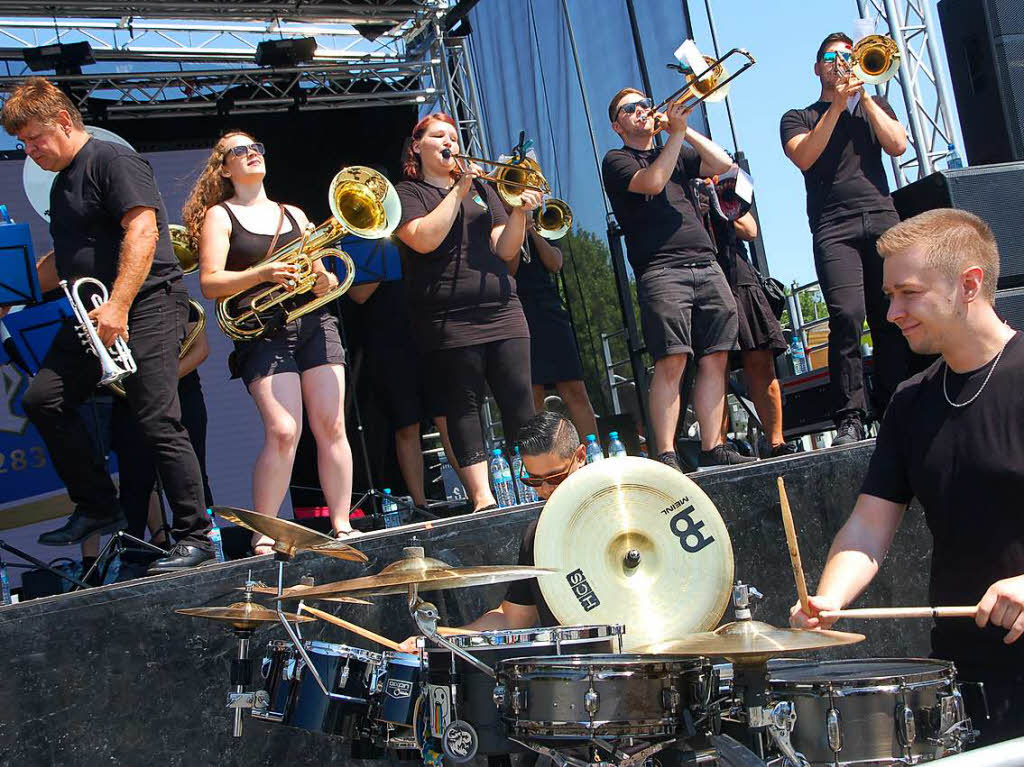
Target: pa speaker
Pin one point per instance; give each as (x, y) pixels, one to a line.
(985, 50)
(1010, 307)
(992, 192)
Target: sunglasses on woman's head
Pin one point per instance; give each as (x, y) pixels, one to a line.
(633, 106)
(243, 149)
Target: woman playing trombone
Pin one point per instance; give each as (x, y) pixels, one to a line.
(301, 363)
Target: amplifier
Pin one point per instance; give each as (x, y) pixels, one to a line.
(992, 192)
(1010, 307)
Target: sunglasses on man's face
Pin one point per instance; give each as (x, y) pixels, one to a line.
(551, 479)
(635, 105)
(243, 149)
(830, 56)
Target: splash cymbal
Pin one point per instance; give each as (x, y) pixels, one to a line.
(751, 641)
(641, 545)
(244, 616)
(288, 536)
(272, 591)
(427, 573)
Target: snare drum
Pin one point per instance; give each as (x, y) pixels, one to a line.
(457, 690)
(345, 671)
(876, 711)
(397, 689)
(278, 672)
(579, 697)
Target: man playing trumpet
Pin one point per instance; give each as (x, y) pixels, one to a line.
(107, 221)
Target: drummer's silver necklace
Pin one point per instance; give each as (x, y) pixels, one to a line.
(945, 374)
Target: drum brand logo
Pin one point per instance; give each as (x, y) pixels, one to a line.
(581, 589)
(399, 688)
(686, 529)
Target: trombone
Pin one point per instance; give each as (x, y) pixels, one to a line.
(711, 84)
(875, 60)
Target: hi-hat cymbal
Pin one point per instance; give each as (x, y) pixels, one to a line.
(751, 642)
(425, 572)
(272, 590)
(244, 616)
(641, 544)
(288, 536)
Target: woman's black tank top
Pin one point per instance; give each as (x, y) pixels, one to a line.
(246, 248)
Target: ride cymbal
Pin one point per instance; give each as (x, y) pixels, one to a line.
(272, 591)
(641, 545)
(290, 537)
(751, 641)
(244, 616)
(425, 572)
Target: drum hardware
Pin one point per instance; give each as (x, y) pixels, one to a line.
(263, 588)
(289, 537)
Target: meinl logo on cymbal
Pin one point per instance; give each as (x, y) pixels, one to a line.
(581, 590)
(686, 529)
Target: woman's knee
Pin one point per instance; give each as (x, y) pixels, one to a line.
(283, 434)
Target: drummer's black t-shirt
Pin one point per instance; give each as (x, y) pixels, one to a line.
(89, 198)
(527, 592)
(966, 467)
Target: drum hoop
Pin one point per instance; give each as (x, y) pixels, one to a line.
(939, 672)
(606, 661)
(533, 637)
(331, 649)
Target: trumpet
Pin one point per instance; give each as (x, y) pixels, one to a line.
(363, 203)
(875, 59)
(709, 84)
(117, 361)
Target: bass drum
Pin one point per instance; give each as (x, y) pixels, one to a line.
(37, 182)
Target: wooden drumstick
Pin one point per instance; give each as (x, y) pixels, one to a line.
(365, 633)
(902, 612)
(794, 548)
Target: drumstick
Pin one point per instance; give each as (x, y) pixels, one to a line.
(902, 612)
(794, 548)
(365, 633)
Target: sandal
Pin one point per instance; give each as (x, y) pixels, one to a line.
(342, 535)
(265, 545)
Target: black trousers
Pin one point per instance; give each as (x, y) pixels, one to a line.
(68, 376)
(464, 372)
(135, 460)
(850, 272)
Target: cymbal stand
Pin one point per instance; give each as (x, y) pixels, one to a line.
(242, 670)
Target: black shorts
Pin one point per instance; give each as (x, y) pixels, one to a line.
(687, 310)
(311, 341)
(403, 386)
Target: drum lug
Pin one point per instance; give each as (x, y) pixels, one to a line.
(343, 678)
(499, 694)
(783, 716)
(833, 727)
(592, 701)
(519, 700)
(670, 699)
(906, 727)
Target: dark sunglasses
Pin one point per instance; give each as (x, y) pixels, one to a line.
(243, 149)
(632, 107)
(830, 56)
(552, 479)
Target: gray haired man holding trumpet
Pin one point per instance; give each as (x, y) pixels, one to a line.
(108, 222)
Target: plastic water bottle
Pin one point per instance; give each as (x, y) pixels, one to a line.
(594, 452)
(501, 479)
(215, 537)
(5, 585)
(796, 349)
(615, 447)
(524, 493)
(390, 507)
(953, 160)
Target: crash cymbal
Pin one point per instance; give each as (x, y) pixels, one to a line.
(751, 641)
(427, 573)
(288, 536)
(272, 590)
(244, 616)
(641, 545)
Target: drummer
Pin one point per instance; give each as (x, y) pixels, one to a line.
(952, 439)
(551, 451)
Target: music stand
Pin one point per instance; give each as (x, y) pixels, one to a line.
(375, 260)
(19, 280)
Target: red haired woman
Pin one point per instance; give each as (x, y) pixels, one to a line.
(466, 315)
(299, 365)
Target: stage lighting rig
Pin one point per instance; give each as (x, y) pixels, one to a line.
(289, 52)
(63, 58)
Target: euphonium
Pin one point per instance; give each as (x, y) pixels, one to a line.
(115, 362)
(364, 203)
(553, 219)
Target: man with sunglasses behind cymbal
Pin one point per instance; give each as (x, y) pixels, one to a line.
(837, 143)
(551, 451)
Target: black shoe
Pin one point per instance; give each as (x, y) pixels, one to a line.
(849, 429)
(722, 455)
(181, 557)
(80, 526)
(786, 448)
(670, 459)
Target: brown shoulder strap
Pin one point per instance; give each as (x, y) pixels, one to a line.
(277, 233)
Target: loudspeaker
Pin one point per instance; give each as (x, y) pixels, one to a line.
(1010, 307)
(992, 192)
(985, 50)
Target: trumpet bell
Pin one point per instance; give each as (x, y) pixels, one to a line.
(365, 202)
(183, 251)
(876, 59)
(553, 219)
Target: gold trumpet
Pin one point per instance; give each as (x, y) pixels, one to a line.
(875, 60)
(364, 203)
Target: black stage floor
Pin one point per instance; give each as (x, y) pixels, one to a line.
(111, 676)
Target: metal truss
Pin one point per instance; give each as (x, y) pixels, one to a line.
(455, 86)
(922, 80)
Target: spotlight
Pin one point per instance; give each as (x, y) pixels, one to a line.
(285, 53)
(63, 58)
(373, 30)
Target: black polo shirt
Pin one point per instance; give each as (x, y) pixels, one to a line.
(849, 177)
(89, 198)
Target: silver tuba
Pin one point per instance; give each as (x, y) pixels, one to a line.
(117, 361)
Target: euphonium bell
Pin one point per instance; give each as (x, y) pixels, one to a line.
(187, 256)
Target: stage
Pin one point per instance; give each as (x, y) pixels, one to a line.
(112, 676)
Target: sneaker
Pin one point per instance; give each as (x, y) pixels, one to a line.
(849, 429)
(670, 459)
(723, 455)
